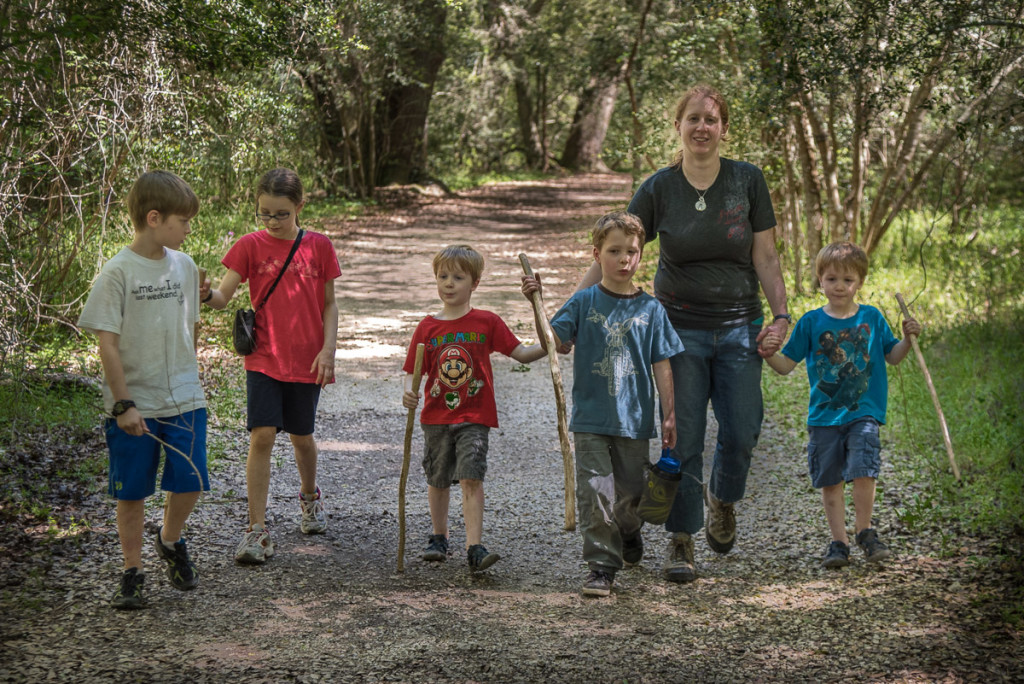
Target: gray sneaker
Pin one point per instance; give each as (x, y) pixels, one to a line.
(874, 550)
(679, 565)
(720, 528)
(255, 547)
(314, 517)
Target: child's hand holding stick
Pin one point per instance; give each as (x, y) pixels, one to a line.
(556, 378)
(410, 421)
(931, 387)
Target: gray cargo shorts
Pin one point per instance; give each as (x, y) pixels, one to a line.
(454, 452)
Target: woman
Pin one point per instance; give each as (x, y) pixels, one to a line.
(715, 220)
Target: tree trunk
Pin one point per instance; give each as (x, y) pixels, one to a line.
(510, 25)
(533, 147)
(794, 236)
(401, 114)
(811, 184)
(590, 124)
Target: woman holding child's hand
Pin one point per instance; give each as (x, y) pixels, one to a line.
(715, 222)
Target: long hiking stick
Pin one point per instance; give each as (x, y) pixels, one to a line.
(409, 421)
(563, 420)
(931, 388)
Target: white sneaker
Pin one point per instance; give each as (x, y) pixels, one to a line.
(256, 546)
(314, 517)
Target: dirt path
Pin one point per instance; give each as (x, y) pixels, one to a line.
(332, 608)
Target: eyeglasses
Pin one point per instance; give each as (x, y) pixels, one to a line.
(280, 216)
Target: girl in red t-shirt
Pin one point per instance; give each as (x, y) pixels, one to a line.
(296, 333)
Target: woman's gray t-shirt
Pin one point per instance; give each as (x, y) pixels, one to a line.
(706, 277)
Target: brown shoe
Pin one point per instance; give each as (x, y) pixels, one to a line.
(720, 528)
(679, 566)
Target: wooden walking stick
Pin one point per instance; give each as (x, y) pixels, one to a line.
(563, 420)
(409, 421)
(931, 388)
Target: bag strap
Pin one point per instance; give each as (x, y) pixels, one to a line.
(295, 247)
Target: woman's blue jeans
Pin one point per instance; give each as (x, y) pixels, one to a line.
(721, 366)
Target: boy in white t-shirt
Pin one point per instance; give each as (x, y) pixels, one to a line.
(144, 310)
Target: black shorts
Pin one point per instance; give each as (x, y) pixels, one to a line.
(287, 406)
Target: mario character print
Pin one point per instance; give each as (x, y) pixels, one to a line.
(455, 377)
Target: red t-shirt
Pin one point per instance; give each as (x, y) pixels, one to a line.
(458, 382)
(290, 326)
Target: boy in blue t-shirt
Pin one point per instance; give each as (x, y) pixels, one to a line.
(845, 344)
(620, 334)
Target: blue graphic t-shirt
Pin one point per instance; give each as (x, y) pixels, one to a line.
(617, 339)
(845, 364)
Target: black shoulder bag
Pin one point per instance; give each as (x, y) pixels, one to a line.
(244, 332)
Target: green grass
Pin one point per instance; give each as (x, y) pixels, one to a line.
(35, 403)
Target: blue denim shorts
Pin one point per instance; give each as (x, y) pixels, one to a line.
(842, 453)
(454, 452)
(134, 460)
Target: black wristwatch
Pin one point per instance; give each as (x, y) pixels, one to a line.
(789, 319)
(121, 406)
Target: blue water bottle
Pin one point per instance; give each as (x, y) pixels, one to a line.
(660, 489)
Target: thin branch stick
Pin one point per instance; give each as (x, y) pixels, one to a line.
(406, 455)
(168, 447)
(931, 388)
(563, 420)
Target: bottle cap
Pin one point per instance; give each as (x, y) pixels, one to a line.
(667, 463)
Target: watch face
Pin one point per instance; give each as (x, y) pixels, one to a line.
(121, 407)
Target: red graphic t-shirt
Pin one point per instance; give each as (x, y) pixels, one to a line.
(458, 382)
(290, 327)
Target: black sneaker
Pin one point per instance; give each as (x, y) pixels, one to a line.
(180, 570)
(837, 555)
(129, 595)
(437, 548)
(679, 565)
(480, 559)
(633, 548)
(598, 583)
(874, 550)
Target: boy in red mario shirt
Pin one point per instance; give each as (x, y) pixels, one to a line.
(459, 408)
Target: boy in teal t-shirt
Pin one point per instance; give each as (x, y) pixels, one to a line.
(621, 333)
(846, 346)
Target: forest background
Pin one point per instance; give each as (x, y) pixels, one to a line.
(895, 124)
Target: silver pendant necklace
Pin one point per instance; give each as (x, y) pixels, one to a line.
(701, 205)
